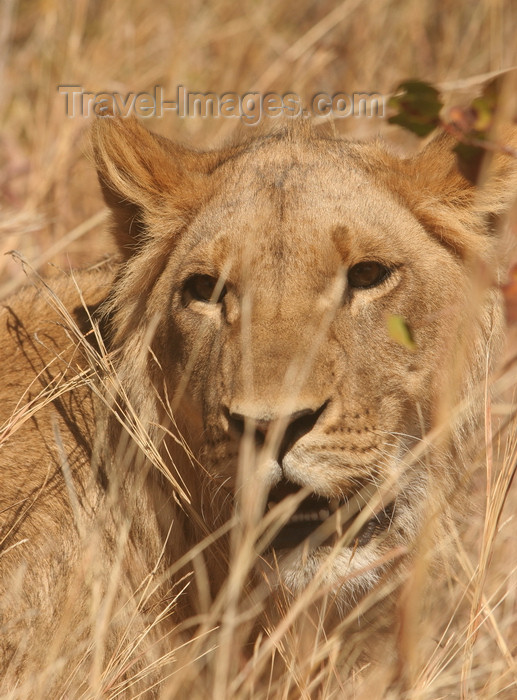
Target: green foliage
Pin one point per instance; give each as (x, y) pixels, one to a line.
(469, 158)
(474, 124)
(418, 107)
(399, 331)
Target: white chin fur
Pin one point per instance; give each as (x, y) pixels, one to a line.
(353, 572)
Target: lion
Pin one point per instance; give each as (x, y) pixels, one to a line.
(272, 389)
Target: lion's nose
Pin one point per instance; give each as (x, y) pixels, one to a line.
(292, 427)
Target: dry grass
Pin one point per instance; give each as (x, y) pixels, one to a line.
(51, 211)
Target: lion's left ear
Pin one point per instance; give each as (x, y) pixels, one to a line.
(458, 212)
(149, 182)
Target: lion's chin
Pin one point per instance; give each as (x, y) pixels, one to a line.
(346, 574)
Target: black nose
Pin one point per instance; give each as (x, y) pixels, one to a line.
(297, 425)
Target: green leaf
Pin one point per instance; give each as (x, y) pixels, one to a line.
(475, 124)
(470, 159)
(399, 331)
(484, 106)
(418, 107)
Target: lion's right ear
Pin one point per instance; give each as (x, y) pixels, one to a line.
(149, 183)
(460, 214)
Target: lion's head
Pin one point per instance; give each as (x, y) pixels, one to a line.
(317, 315)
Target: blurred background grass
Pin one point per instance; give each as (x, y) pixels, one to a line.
(48, 188)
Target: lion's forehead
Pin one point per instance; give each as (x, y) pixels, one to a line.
(305, 178)
(278, 212)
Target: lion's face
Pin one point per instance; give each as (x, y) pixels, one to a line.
(277, 297)
(281, 291)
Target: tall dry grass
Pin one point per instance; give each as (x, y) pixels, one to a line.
(51, 211)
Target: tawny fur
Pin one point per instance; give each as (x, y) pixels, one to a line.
(118, 454)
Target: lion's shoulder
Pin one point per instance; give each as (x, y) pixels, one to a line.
(47, 341)
(42, 325)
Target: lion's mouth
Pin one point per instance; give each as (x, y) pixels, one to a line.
(325, 520)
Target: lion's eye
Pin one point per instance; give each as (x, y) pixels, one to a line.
(367, 274)
(204, 288)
